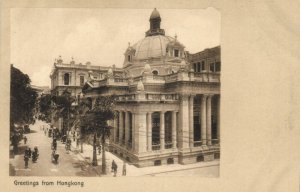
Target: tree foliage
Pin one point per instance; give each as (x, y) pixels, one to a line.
(45, 108)
(95, 120)
(62, 108)
(22, 98)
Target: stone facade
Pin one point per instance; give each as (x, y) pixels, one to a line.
(72, 77)
(168, 110)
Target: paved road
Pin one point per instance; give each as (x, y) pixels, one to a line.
(73, 164)
(69, 164)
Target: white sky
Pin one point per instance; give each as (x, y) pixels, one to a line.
(101, 36)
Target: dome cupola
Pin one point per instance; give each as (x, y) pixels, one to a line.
(155, 24)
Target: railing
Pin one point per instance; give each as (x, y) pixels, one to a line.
(161, 97)
(214, 76)
(215, 141)
(156, 147)
(168, 145)
(138, 78)
(158, 77)
(197, 143)
(171, 77)
(125, 97)
(119, 79)
(100, 83)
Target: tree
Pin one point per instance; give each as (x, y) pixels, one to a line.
(84, 104)
(95, 122)
(62, 105)
(22, 104)
(22, 98)
(45, 108)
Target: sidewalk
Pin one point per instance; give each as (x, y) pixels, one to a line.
(132, 170)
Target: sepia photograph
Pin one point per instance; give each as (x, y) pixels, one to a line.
(127, 95)
(110, 92)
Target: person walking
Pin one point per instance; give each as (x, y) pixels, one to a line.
(54, 145)
(29, 152)
(26, 159)
(115, 168)
(112, 165)
(124, 169)
(25, 139)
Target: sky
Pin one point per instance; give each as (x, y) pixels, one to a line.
(100, 36)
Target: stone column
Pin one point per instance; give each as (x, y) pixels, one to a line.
(218, 118)
(183, 139)
(115, 129)
(121, 127)
(126, 128)
(203, 119)
(133, 131)
(191, 121)
(149, 132)
(208, 118)
(162, 130)
(140, 132)
(174, 130)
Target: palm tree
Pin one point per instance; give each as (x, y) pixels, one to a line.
(96, 123)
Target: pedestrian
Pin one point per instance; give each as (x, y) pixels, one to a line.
(26, 159)
(124, 169)
(112, 165)
(54, 145)
(115, 168)
(29, 152)
(25, 139)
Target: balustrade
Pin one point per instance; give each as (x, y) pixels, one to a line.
(215, 141)
(168, 145)
(197, 143)
(156, 147)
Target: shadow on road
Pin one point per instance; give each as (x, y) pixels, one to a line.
(87, 170)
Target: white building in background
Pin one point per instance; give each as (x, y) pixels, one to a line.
(72, 76)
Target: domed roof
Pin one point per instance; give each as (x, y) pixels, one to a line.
(152, 47)
(154, 14)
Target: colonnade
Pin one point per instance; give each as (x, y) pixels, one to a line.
(140, 126)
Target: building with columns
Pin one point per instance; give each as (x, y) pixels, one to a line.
(168, 103)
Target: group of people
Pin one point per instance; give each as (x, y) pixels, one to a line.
(114, 168)
(34, 154)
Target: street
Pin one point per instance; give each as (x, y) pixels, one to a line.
(75, 163)
(69, 164)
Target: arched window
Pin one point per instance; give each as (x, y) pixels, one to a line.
(66, 79)
(155, 72)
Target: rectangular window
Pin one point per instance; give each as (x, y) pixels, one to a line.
(176, 52)
(81, 80)
(202, 66)
(218, 66)
(129, 58)
(212, 67)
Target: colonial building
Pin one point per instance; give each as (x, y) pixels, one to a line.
(72, 76)
(168, 101)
